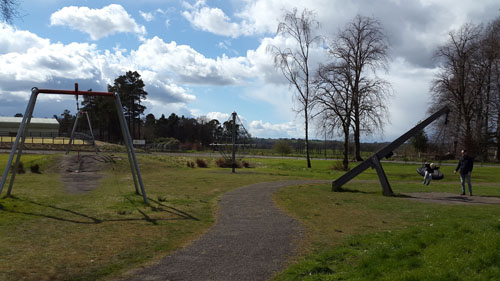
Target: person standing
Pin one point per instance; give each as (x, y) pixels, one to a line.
(465, 165)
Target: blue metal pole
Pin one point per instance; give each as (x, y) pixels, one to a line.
(20, 132)
(72, 133)
(128, 142)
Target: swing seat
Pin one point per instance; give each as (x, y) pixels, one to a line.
(437, 175)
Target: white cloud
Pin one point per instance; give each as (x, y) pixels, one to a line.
(98, 23)
(165, 90)
(213, 20)
(268, 130)
(147, 16)
(50, 63)
(12, 40)
(188, 65)
(165, 67)
(222, 117)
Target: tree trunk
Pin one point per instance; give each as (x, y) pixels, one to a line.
(345, 161)
(357, 125)
(498, 136)
(307, 138)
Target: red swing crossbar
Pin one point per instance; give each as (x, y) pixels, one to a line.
(75, 92)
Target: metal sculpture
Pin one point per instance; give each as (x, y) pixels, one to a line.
(232, 140)
(387, 151)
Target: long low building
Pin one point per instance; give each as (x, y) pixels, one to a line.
(38, 126)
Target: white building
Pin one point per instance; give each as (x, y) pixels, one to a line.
(46, 127)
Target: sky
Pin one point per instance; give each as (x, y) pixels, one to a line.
(208, 58)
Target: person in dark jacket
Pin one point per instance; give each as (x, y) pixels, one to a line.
(465, 165)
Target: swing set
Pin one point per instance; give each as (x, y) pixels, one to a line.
(22, 133)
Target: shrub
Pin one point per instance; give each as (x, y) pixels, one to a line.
(227, 163)
(20, 168)
(282, 147)
(247, 164)
(190, 164)
(201, 163)
(35, 169)
(338, 166)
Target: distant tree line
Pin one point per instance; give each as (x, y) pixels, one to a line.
(102, 113)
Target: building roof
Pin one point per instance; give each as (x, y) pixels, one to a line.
(33, 120)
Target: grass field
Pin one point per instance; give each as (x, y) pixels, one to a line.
(360, 235)
(48, 234)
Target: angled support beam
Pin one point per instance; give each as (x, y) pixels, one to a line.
(387, 151)
(386, 187)
(136, 173)
(71, 138)
(91, 133)
(21, 136)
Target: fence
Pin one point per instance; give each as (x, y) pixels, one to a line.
(45, 140)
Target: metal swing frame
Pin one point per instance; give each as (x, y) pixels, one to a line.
(78, 115)
(22, 132)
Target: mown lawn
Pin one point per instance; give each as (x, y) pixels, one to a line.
(361, 235)
(49, 234)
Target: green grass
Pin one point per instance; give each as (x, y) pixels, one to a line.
(106, 231)
(361, 235)
(49, 234)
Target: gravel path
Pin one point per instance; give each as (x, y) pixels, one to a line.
(251, 240)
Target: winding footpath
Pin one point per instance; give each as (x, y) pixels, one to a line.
(251, 240)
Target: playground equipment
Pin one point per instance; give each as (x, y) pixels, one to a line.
(22, 132)
(233, 141)
(78, 115)
(73, 131)
(437, 175)
(387, 151)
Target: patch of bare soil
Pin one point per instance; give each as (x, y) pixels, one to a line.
(82, 173)
(450, 198)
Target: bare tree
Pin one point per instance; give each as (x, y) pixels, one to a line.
(460, 82)
(363, 46)
(492, 46)
(9, 9)
(294, 61)
(334, 100)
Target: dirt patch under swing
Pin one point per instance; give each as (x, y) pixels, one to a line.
(82, 173)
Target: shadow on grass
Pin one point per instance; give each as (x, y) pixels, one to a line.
(343, 189)
(180, 215)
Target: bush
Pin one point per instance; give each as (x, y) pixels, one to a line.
(35, 169)
(338, 166)
(201, 163)
(20, 168)
(190, 164)
(247, 164)
(227, 163)
(282, 147)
